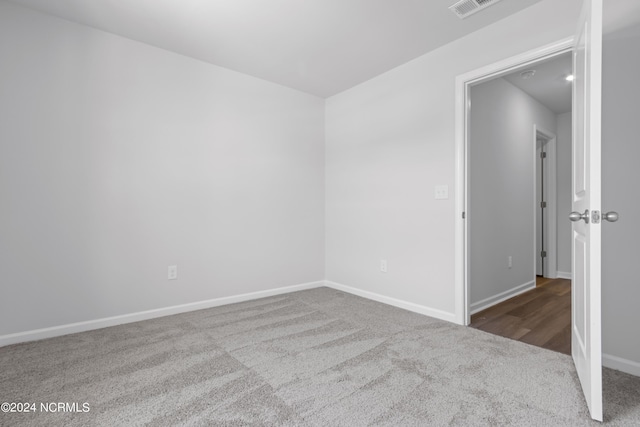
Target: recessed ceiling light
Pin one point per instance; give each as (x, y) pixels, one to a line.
(526, 75)
(569, 78)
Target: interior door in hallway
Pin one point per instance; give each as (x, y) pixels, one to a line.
(540, 206)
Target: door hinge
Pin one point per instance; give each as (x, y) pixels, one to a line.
(543, 205)
(543, 155)
(543, 254)
(463, 215)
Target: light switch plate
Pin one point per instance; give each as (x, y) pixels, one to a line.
(442, 192)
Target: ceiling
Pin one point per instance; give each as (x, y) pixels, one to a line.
(321, 47)
(548, 85)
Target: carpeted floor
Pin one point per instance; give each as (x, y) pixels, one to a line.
(311, 358)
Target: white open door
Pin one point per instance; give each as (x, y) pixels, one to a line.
(586, 341)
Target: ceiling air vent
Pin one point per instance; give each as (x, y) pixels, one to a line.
(465, 8)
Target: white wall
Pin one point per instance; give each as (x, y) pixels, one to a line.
(501, 189)
(620, 177)
(563, 195)
(390, 141)
(118, 159)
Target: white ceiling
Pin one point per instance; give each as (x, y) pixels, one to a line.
(548, 85)
(320, 47)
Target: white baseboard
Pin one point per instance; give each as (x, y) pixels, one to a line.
(620, 364)
(502, 296)
(416, 308)
(564, 275)
(89, 325)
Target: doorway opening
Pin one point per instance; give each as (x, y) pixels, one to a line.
(518, 180)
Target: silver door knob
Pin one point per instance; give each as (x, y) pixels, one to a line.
(577, 216)
(611, 216)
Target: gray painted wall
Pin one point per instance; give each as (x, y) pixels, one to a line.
(563, 195)
(501, 187)
(118, 159)
(620, 177)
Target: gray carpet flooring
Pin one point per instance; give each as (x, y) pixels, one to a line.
(312, 358)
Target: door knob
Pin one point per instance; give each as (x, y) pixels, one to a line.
(577, 216)
(611, 216)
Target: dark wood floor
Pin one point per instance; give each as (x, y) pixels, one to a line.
(541, 316)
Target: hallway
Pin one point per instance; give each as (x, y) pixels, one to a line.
(541, 316)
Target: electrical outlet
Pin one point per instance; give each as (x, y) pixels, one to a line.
(510, 261)
(383, 265)
(173, 272)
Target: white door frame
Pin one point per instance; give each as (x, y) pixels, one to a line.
(463, 84)
(550, 196)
